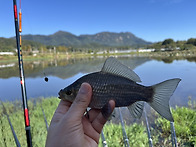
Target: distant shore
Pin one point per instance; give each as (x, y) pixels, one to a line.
(157, 55)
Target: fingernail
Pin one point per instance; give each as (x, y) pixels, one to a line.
(83, 88)
(106, 111)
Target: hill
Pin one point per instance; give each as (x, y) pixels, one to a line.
(62, 38)
(9, 44)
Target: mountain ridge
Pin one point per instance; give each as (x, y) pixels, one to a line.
(99, 39)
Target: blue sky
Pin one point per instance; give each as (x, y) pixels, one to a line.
(151, 20)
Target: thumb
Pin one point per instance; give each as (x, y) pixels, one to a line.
(81, 102)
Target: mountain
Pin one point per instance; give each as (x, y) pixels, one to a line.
(99, 39)
(115, 39)
(9, 44)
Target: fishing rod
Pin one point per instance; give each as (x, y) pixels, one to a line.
(173, 135)
(103, 139)
(13, 132)
(125, 138)
(148, 129)
(44, 117)
(21, 72)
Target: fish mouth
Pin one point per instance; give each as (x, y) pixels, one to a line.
(60, 94)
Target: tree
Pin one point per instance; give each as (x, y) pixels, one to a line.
(168, 41)
(191, 41)
(189, 46)
(62, 48)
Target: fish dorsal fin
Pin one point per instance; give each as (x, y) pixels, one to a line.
(113, 66)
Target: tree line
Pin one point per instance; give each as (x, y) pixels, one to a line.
(170, 44)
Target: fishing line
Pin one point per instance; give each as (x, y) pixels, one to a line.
(45, 119)
(125, 137)
(104, 142)
(45, 78)
(11, 126)
(173, 135)
(148, 129)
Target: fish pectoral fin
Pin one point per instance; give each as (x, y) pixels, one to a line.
(160, 100)
(113, 66)
(136, 109)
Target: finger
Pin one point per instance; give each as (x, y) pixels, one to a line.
(101, 119)
(89, 130)
(61, 110)
(81, 102)
(107, 110)
(63, 107)
(92, 114)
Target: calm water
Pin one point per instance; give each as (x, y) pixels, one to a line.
(64, 72)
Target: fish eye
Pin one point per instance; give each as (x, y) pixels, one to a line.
(68, 92)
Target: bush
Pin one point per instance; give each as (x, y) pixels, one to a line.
(185, 126)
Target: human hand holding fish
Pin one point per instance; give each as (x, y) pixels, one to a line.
(69, 125)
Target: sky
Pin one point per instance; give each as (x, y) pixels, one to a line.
(151, 20)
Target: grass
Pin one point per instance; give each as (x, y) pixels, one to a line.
(38, 128)
(136, 134)
(185, 125)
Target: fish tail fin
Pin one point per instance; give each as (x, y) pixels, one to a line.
(161, 96)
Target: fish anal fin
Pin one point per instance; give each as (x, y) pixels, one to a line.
(136, 109)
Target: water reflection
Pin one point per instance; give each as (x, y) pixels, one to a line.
(63, 68)
(63, 72)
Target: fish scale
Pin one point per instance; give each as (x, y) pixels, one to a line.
(107, 86)
(118, 82)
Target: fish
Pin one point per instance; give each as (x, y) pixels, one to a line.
(120, 83)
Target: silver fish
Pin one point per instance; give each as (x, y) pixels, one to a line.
(118, 82)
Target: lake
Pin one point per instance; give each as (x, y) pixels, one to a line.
(61, 73)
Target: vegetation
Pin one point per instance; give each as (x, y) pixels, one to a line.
(165, 50)
(38, 128)
(136, 135)
(9, 45)
(170, 44)
(185, 125)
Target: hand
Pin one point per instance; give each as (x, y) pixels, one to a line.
(69, 125)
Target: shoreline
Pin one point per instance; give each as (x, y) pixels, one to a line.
(156, 55)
